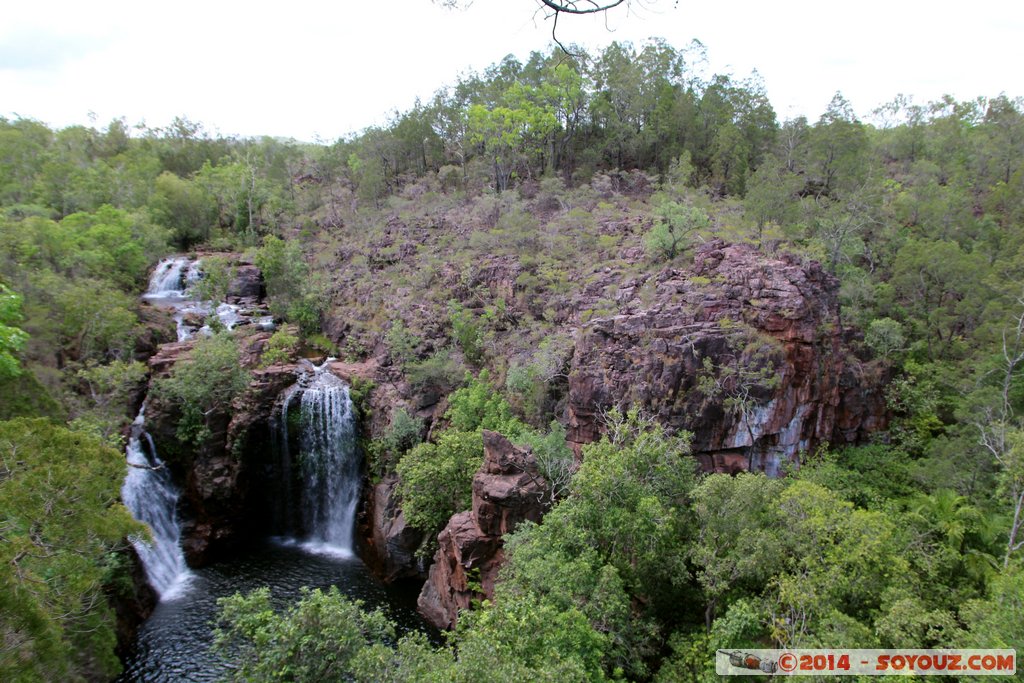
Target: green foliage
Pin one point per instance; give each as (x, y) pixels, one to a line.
(529, 384)
(736, 542)
(673, 230)
(108, 391)
(204, 382)
(184, 207)
(478, 406)
(316, 639)
(62, 519)
(918, 216)
(325, 637)
(403, 343)
(467, 331)
(997, 621)
(435, 479)
(555, 460)
(525, 639)
(12, 339)
(293, 293)
(24, 396)
(885, 337)
(404, 431)
(281, 348)
(619, 536)
(217, 274)
(94, 321)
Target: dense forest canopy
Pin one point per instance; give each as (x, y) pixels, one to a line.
(568, 164)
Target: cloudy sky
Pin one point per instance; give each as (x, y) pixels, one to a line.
(311, 70)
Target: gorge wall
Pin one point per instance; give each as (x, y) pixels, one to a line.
(746, 351)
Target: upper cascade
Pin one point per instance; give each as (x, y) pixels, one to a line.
(171, 285)
(172, 278)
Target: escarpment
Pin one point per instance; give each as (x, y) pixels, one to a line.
(746, 352)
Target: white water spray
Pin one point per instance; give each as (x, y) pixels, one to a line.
(152, 499)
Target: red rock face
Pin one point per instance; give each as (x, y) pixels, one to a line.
(217, 483)
(389, 543)
(654, 355)
(507, 490)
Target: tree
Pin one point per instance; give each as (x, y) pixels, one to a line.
(185, 208)
(62, 528)
(771, 196)
(294, 294)
(1002, 434)
(837, 148)
(327, 637)
(436, 480)
(736, 539)
(109, 389)
(316, 639)
(838, 563)
(12, 339)
(509, 134)
(203, 383)
(615, 546)
(674, 229)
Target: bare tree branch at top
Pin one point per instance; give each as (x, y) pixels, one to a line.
(578, 7)
(553, 9)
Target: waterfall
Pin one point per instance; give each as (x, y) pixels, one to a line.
(171, 277)
(150, 496)
(328, 459)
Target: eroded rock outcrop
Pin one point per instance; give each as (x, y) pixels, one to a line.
(736, 308)
(218, 479)
(391, 544)
(507, 490)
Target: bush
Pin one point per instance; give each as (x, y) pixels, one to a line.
(403, 432)
(59, 493)
(479, 406)
(467, 331)
(436, 480)
(203, 383)
(440, 372)
(402, 342)
(281, 348)
(673, 228)
(885, 337)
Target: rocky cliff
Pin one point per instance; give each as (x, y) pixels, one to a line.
(745, 351)
(219, 479)
(507, 490)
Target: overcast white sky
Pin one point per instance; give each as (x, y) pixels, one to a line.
(308, 69)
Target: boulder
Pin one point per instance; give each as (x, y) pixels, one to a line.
(247, 283)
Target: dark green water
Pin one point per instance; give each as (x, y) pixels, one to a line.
(174, 644)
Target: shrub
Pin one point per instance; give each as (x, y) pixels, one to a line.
(673, 228)
(440, 372)
(203, 383)
(280, 348)
(479, 406)
(436, 480)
